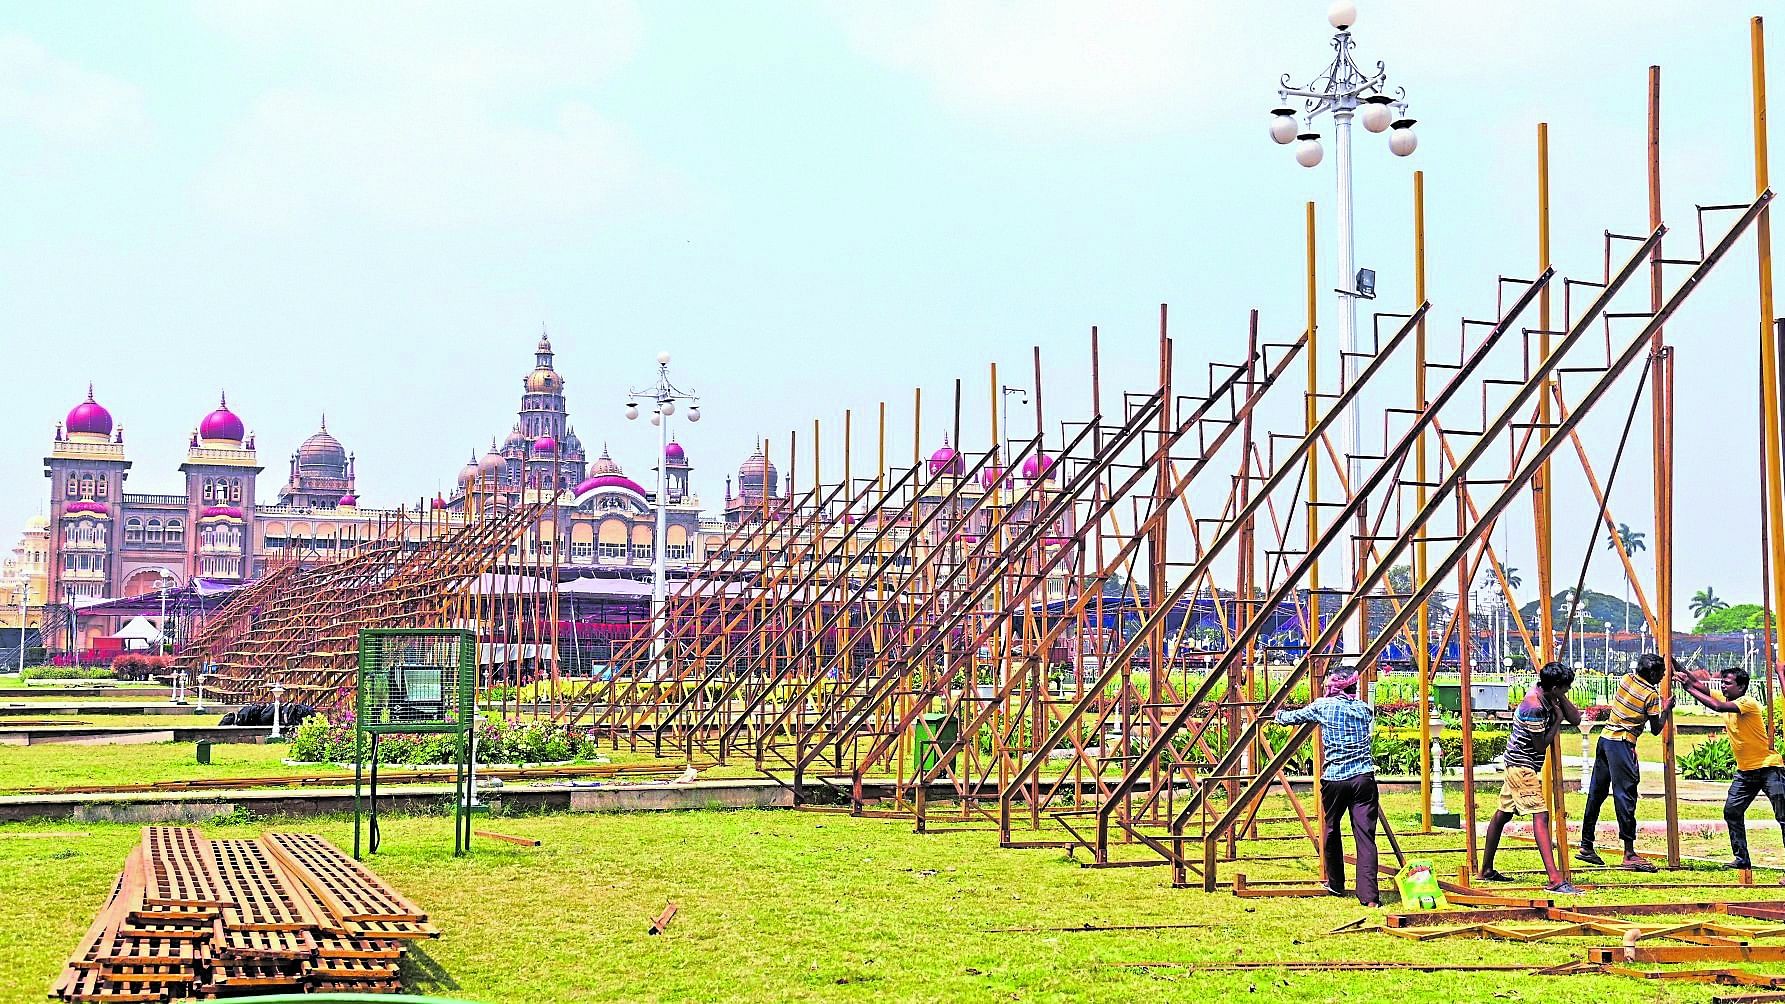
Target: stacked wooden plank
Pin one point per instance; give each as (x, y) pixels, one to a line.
(190, 917)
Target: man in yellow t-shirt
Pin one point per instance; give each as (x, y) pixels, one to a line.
(1758, 767)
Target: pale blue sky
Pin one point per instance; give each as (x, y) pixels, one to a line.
(370, 210)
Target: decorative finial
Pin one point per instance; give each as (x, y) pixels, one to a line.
(89, 390)
(325, 421)
(222, 398)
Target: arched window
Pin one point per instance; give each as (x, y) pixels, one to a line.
(207, 490)
(153, 535)
(235, 491)
(87, 488)
(102, 487)
(72, 487)
(176, 532)
(133, 531)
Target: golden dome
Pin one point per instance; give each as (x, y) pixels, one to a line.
(544, 380)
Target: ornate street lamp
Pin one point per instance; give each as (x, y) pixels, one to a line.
(1344, 90)
(662, 395)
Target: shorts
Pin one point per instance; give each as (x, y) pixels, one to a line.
(1522, 794)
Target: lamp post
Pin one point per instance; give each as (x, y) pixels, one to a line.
(1005, 393)
(278, 692)
(24, 605)
(663, 395)
(161, 629)
(1345, 90)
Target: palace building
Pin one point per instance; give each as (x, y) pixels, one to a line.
(100, 541)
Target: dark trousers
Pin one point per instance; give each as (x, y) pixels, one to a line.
(1355, 797)
(1615, 773)
(1747, 786)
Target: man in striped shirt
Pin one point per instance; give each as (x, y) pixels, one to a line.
(1616, 771)
(1534, 726)
(1347, 780)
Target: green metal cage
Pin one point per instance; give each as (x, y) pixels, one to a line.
(415, 680)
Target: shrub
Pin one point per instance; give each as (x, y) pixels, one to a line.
(67, 673)
(1711, 760)
(322, 740)
(1397, 751)
(140, 666)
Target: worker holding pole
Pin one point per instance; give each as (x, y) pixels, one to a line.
(1535, 723)
(1758, 767)
(1347, 779)
(1637, 704)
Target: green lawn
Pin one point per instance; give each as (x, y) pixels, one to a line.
(778, 905)
(56, 764)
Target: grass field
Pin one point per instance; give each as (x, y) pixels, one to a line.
(778, 905)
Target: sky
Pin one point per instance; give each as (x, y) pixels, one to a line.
(371, 210)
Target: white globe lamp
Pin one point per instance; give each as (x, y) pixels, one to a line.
(631, 412)
(694, 413)
(1342, 14)
(1402, 142)
(1376, 115)
(667, 408)
(663, 359)
(1283, 126)
(1308, 153)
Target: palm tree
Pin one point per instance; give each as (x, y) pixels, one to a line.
(1633, 542)
(1706, 602)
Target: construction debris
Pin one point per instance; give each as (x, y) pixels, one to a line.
(662, 922)
(190, 917)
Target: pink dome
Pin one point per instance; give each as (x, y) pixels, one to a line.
(86, 505)
(222, 424)
(675, 453)
(348, 501)
(609, 481)
(1038, 466)
(544, 446)
(89, 417)
(992, 476)
(220, 512)
(438, 503)
(946, 460)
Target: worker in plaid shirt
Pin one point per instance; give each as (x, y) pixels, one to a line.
(1347, 781)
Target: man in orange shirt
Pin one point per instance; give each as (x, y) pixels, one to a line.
(1758, 766)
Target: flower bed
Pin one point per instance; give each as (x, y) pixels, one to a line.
(325, 740)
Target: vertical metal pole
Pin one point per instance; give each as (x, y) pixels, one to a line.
(658, 571)
(1774, 488)
(1466, 699)
(1422, 623)
(1350, 431)
(1540, 495)
(1661, 400)
(1311, 417)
